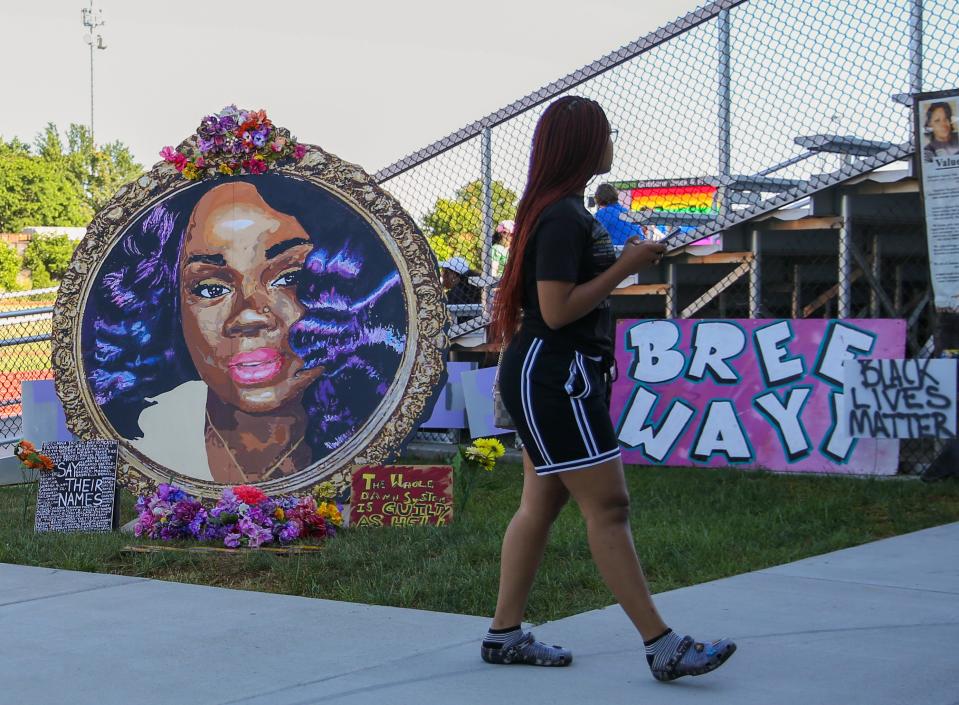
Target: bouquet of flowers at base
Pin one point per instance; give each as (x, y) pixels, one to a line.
(243, 516)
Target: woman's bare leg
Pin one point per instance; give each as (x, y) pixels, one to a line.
(600, 492)
(525, 542)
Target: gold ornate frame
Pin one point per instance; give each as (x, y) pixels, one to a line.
(421, 370)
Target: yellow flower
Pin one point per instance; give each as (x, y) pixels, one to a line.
(330, 512)
(483, 456)
(224, 169)
(324, 491)
(493, 446)
(190, 172)
(279, 513)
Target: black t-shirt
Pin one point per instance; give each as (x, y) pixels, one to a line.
(568, 245)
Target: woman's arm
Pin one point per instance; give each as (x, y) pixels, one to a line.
(561, 302)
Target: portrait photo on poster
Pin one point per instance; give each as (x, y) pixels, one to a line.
(243, 328)
(939, 136)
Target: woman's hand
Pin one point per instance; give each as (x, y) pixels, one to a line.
(639, 254)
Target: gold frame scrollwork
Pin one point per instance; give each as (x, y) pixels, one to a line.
(421, 369)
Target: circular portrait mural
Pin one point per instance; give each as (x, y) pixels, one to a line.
(270, 325)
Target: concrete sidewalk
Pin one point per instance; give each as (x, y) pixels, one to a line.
(877, 625)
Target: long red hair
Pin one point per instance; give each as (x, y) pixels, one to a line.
(568, 144)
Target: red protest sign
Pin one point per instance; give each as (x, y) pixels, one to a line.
(401, 495)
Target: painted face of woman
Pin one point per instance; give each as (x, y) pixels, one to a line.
(239, 267)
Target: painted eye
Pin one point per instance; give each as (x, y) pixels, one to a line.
(288, 278)
(210, 290)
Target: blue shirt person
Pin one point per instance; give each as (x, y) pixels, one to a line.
(609, 214)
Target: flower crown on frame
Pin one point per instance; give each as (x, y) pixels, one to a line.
(233, 142)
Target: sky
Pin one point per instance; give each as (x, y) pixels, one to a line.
(369, 81)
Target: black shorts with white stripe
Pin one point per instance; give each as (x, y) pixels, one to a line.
(559, 401)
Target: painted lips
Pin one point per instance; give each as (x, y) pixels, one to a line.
(255, 366)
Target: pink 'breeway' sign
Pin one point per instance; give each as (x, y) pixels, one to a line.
(760, 393)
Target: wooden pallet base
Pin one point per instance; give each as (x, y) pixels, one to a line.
(284, 551)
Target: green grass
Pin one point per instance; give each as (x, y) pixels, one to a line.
(690, 526)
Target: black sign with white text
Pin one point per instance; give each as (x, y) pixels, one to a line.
(79, 494)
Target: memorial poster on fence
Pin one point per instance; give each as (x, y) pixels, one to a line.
(757, 393)
(79, 493)
(937, 146)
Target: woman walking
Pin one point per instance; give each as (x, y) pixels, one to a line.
(552, 312)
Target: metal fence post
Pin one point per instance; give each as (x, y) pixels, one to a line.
(915, 46)
(672, 294)
(845, 261)
(724, 95)
(755, 277)
(876, 276)
(487, 198)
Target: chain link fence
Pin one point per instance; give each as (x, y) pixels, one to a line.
(25, 327)
(776, 135)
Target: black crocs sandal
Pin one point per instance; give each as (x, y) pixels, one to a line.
(528, 651)
(694, 658)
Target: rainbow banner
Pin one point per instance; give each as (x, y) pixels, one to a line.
(694, 198)
(674, 199)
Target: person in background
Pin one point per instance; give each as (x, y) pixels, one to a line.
(609, 213)
(500, 250)
(455, 272)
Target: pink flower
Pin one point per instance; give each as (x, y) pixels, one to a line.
(179, 161)
(200, 162)
(255, 166)
(168, 154)
(299, 151)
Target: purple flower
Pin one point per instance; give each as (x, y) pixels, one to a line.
(161, 508)
(205, 145)
(208, 125)
(170, 493)
(197, 525)
(185, 510)
(257, 516)
(232, 540)
(290, 532)
(259, 537)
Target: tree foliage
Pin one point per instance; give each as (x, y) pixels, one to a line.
(454, 226)
(57, 181)
(10, 266)
(34, 191)
(96, 171)
(47, 258)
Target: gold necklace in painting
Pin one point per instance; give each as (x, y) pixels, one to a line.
(229, 452)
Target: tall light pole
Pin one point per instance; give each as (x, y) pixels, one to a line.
(92, 19)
